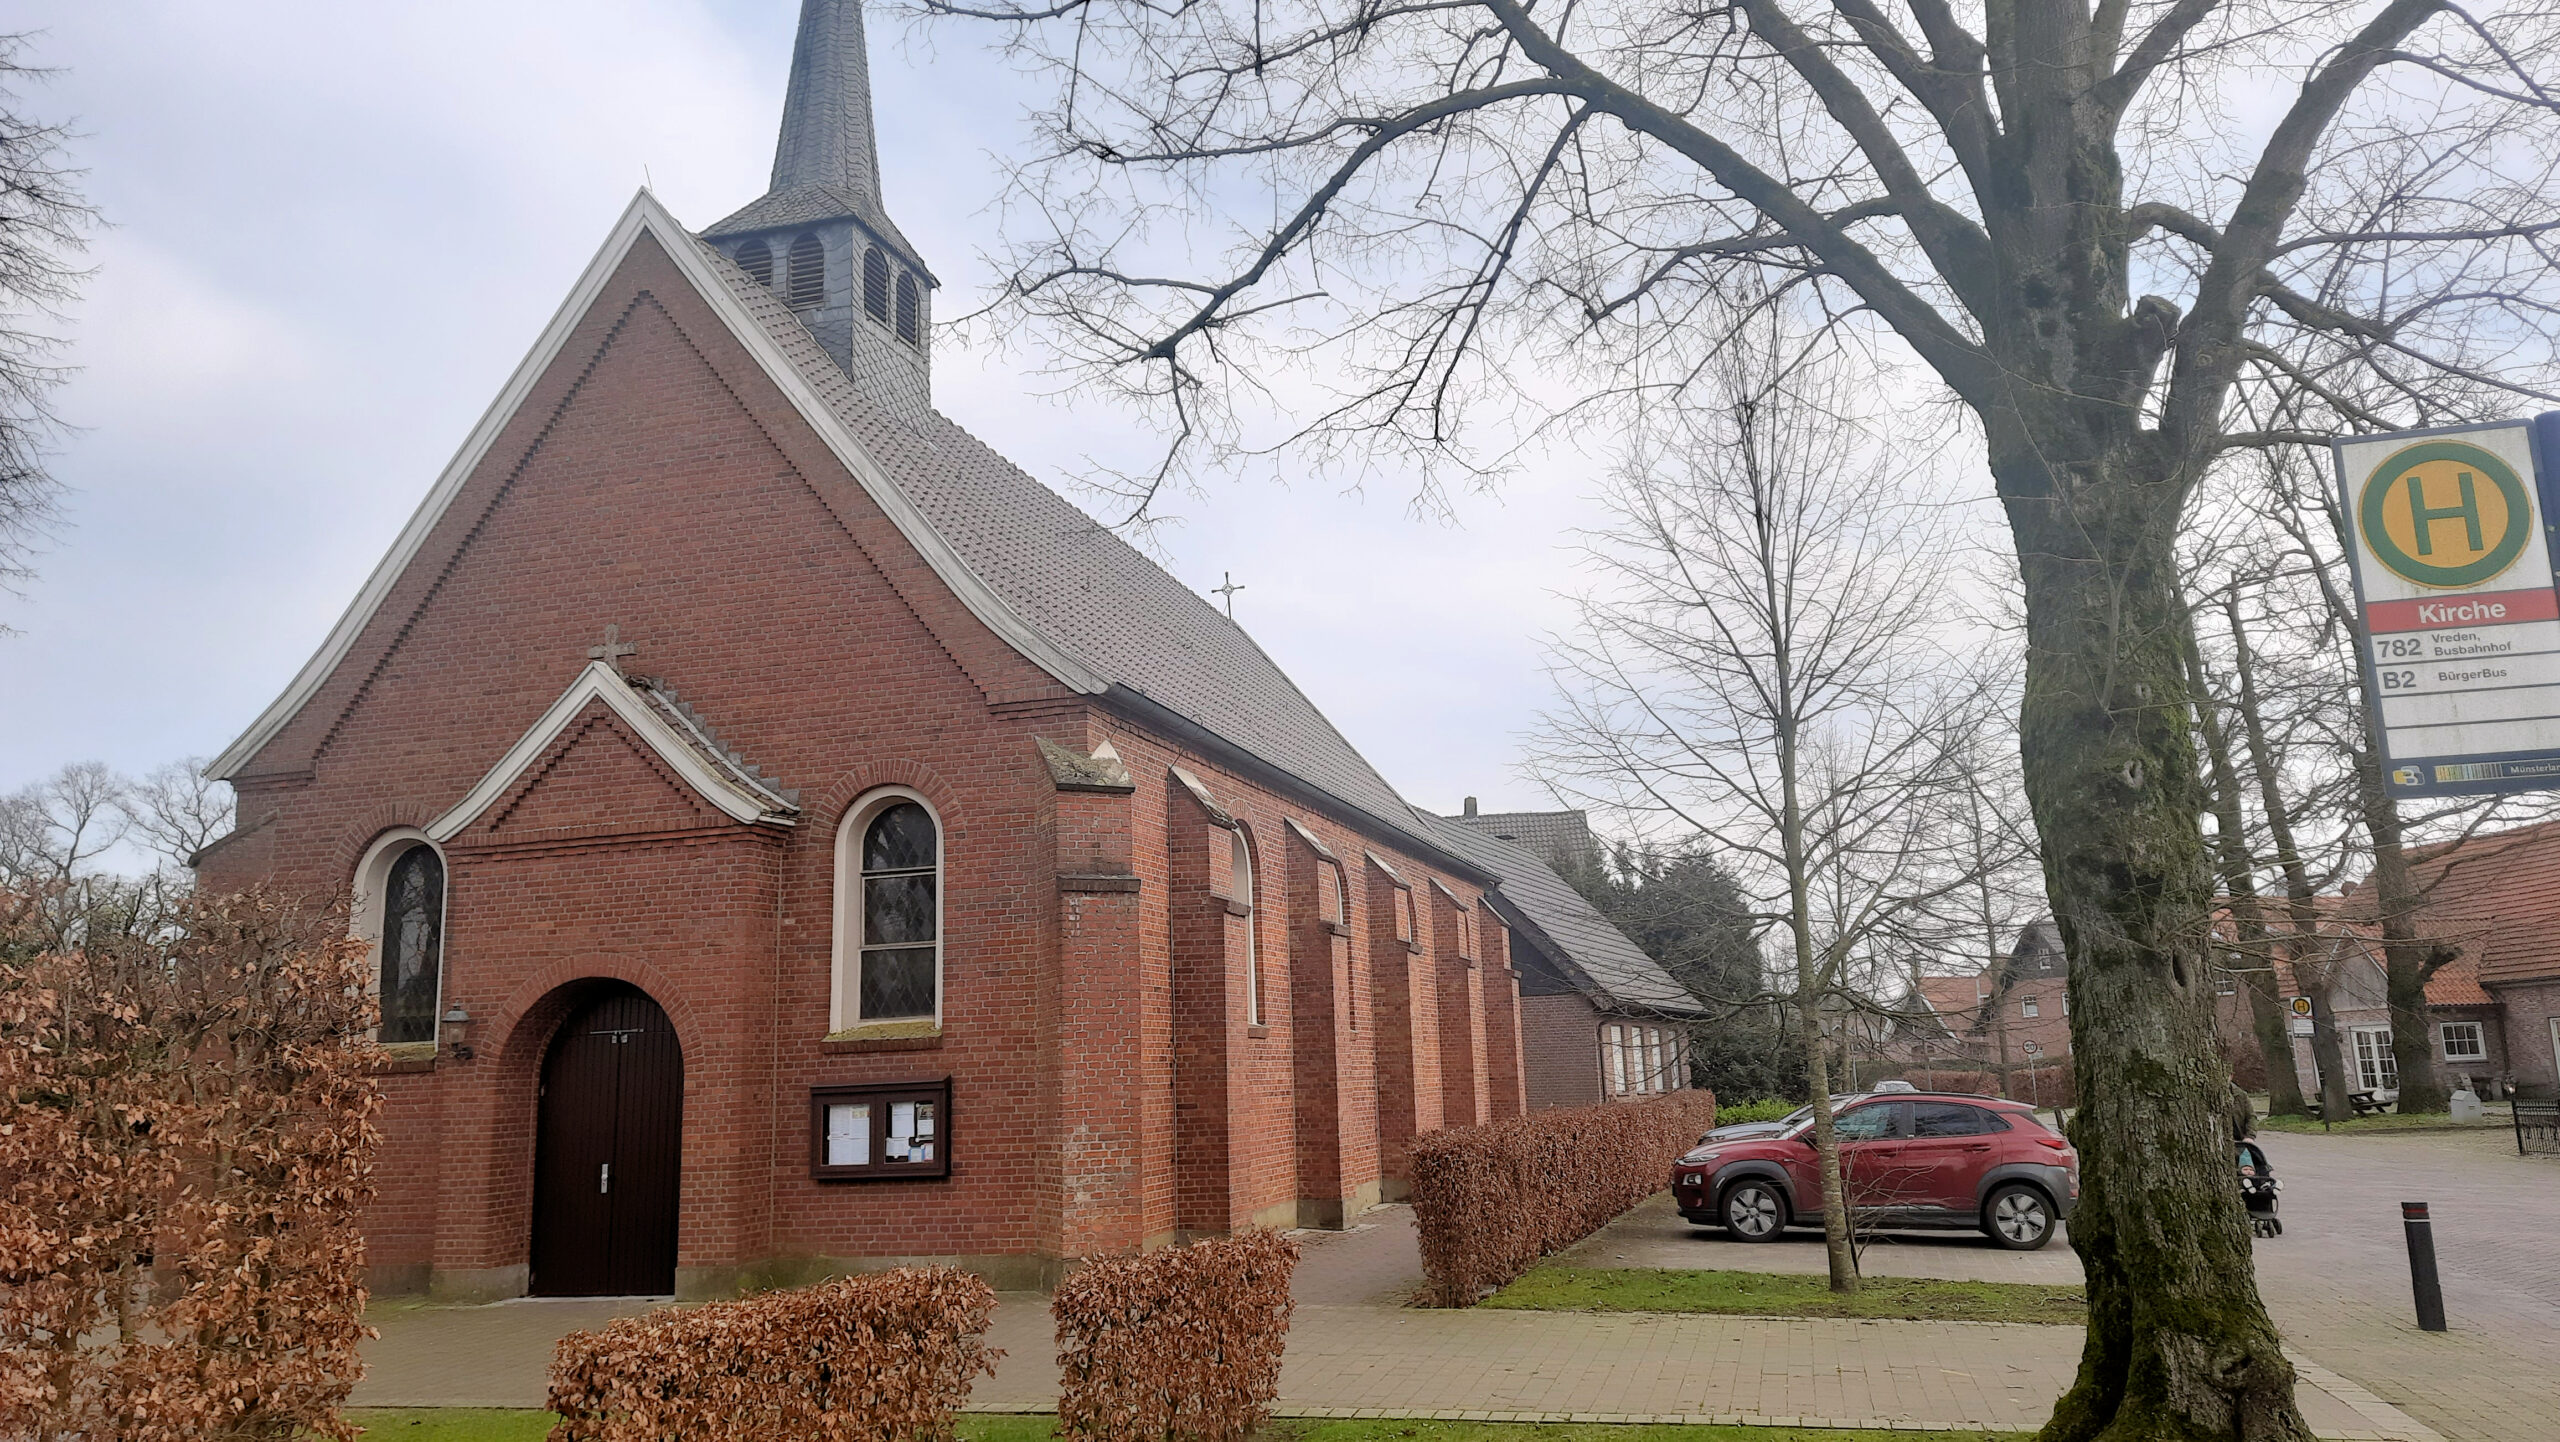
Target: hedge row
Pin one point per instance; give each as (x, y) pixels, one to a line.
(186, 1145)
(1181, 1345)
(1489, 1201)
(881, 1358)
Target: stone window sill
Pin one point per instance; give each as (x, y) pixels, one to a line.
(1257, 1031)
(1336, 928)
(919, 1035)
(402, 1058)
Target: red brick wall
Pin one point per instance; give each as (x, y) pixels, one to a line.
(1560, 1049)
(655, 480)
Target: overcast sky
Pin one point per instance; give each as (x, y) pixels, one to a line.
(337, 227)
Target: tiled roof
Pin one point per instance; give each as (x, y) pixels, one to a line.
(2496, 896)
(2457, 983)
(1533, 898)
(1084, 589)
(1955, 1000)
(1553, 835)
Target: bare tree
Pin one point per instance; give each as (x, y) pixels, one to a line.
(43, 221)
(1758, 671)
(178, 810)
(2094, 222)
(59, 841)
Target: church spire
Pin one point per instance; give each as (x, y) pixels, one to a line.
(820, 237)
(827, 137)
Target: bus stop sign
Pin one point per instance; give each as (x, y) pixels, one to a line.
(2451, 547)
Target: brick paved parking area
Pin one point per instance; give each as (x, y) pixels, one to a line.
(2337, 1281)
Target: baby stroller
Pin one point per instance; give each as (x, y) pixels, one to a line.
(2258, 1188)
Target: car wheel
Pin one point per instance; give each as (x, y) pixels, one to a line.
(1753, 1211)
(2018, 1218)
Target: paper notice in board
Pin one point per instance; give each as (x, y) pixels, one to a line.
(902, 1125)
(849, 1134)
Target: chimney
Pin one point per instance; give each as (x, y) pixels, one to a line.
(1471, 806)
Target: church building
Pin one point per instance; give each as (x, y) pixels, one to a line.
(796, 841)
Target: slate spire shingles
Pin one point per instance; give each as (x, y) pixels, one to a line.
(827, 138)
(826, 159)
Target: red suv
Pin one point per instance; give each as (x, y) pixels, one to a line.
(1908, 1160)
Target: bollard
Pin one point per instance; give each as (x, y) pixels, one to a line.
(2422, 1266)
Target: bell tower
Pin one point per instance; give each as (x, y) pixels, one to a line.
(820, 237)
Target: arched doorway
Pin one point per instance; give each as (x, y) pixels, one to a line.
(606, 1151)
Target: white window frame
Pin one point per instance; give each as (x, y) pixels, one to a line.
(364, 922)
(844, 988)
(1613, 1045)
(2479, 1048)
(2368, 1064)
(2028, 1006)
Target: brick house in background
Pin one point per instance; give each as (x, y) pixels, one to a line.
(796, 840)
(1599, 1019)
(2012, 1014)
(2466, 1038)
(2493, 1011)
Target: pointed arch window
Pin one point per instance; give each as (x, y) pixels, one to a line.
(875, 284)
(756, 259)
(910, 308)
(1240, 881)
(888, 912)
(808, 273)
(400, 909)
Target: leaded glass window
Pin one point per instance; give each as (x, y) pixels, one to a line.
(412, 945)
(901, 913)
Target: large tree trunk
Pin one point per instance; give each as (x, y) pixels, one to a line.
(2179, 1345)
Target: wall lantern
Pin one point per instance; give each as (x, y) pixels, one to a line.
(457, 1032)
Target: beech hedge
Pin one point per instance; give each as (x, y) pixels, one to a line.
(186, 1145)
(1181, 1345)
(1489, 1201)
(887, 1357)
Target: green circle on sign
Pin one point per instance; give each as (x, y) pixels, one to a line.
(2426, 517)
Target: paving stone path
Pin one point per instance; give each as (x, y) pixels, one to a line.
(2337, 1283)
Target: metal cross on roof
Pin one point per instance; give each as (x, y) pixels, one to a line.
(612, 649)
(1228, 591)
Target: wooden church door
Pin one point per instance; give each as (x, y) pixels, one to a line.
(606, 1149)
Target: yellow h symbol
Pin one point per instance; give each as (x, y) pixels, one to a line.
(2422, 517)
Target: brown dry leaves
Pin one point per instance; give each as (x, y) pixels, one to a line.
(186, 1145)
(1490, 1201)
(1181, 1345)
(882, 1358)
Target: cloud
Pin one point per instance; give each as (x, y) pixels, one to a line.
(338, 227)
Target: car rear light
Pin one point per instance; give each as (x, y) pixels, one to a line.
(2057, 1143)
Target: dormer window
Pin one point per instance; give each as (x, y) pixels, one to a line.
(756, 259)
(910, 308)
(808, 273)
(875, 284)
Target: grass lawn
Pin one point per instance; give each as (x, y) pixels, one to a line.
(476, 1424)
(2386, 1122)
(1766, 1294)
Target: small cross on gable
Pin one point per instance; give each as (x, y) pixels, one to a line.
(612, 649)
